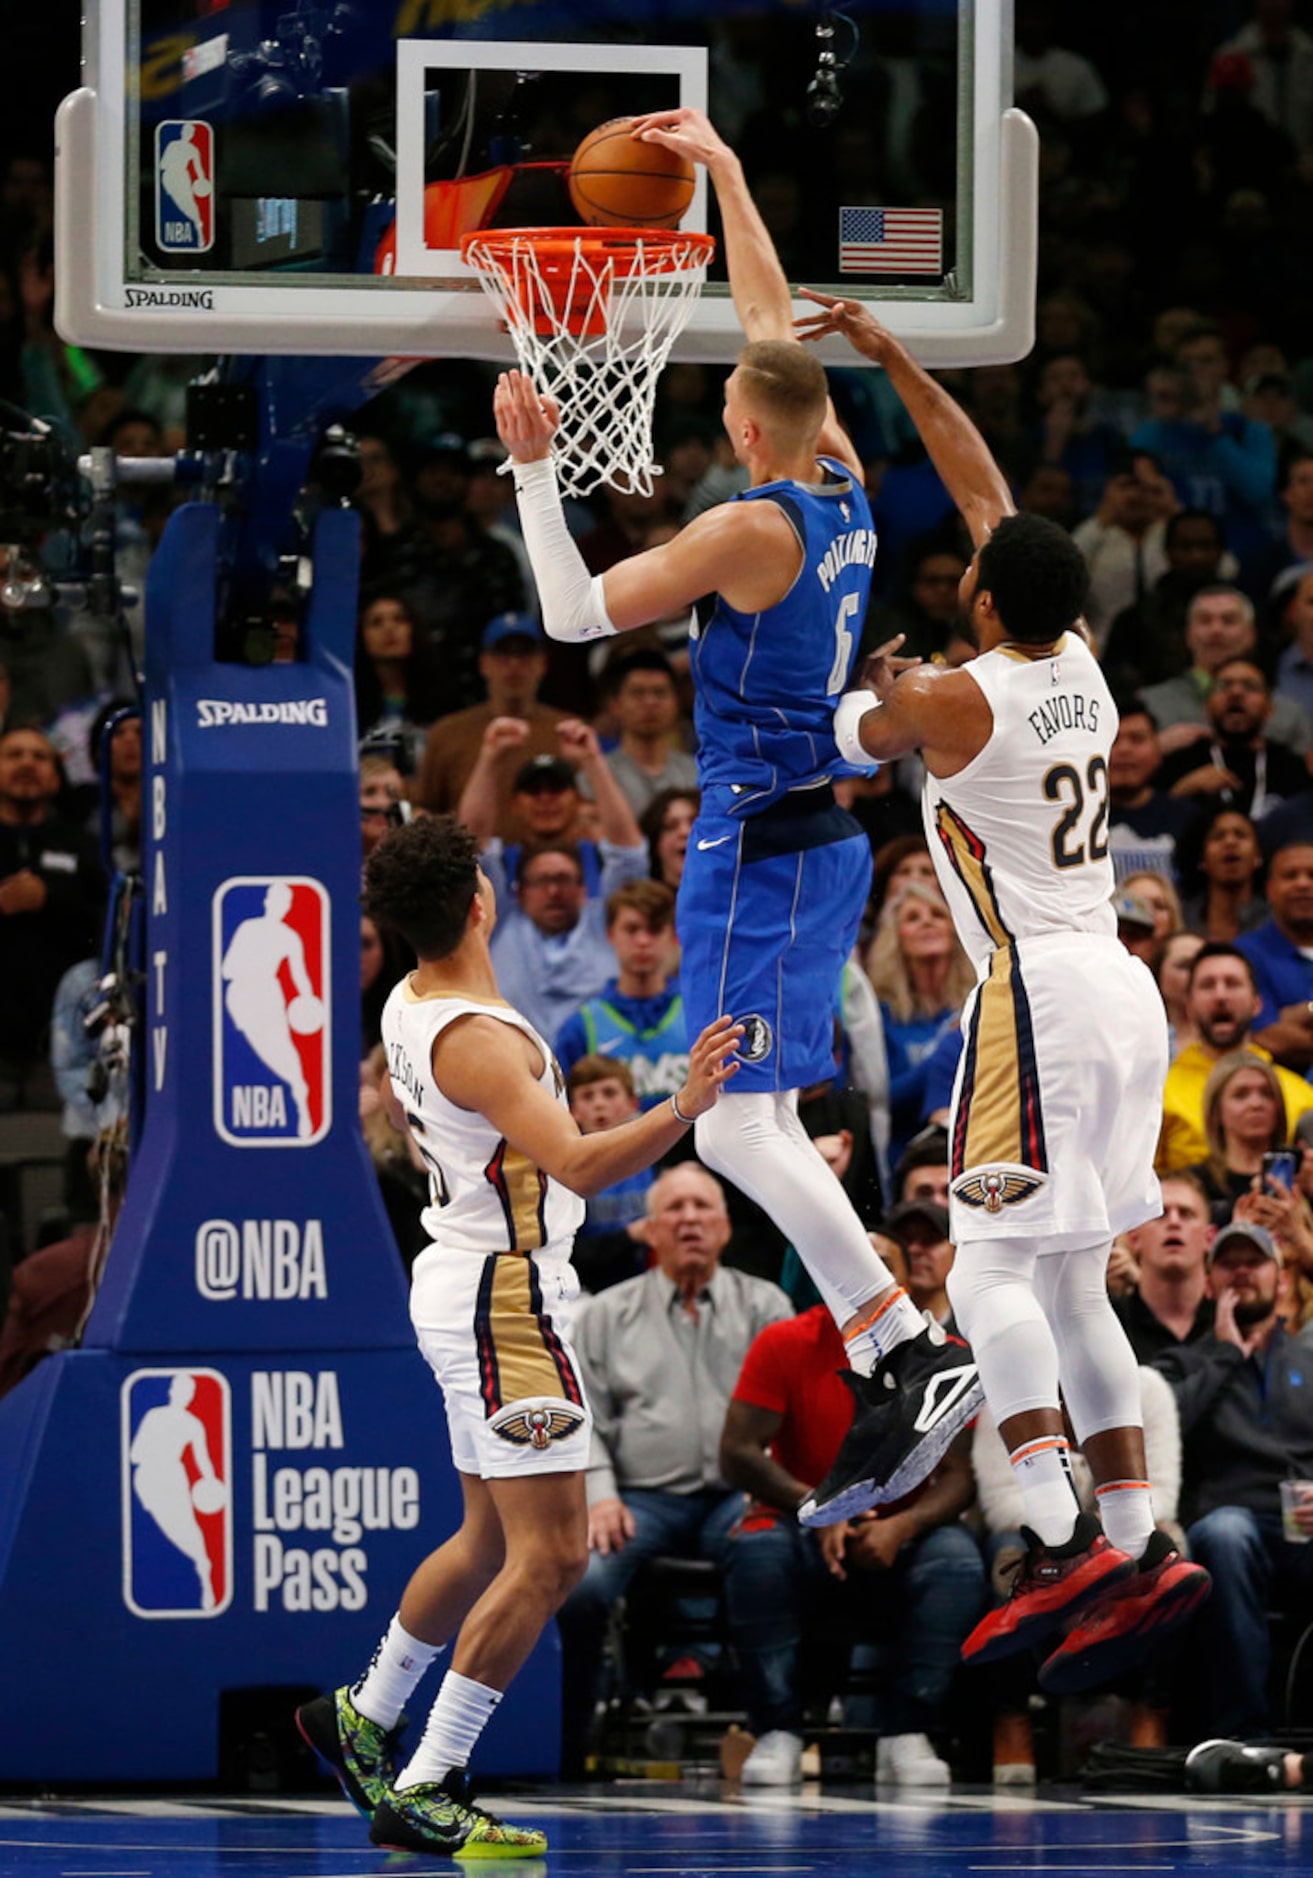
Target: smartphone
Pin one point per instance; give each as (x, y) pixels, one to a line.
(1280, 1168)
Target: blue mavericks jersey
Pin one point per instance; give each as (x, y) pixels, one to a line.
(767, 683)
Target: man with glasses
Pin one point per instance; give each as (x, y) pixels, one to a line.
(550, 948)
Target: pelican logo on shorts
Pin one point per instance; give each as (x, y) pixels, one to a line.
(184, 186)
(537, 1424)
(990, 1189)
(272, 1054)
(758, 1038)
(176, 1464)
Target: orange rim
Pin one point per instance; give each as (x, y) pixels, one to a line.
(652, 248)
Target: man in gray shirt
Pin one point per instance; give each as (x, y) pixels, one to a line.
(648, 757)
(1219, 627)
(660, 1355)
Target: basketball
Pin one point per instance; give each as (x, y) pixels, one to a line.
(209, 1495)
(618, 182)
(305, 1015)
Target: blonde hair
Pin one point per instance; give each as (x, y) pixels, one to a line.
(1127, 885)
(887, 968)
(786, 382)
(1223, 1073)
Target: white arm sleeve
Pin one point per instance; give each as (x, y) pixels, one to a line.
(852, 708)
(574, 606)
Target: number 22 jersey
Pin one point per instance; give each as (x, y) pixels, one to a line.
(1020, 836)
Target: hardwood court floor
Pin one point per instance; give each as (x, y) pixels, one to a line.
(660, 1830)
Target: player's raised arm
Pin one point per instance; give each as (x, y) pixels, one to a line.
(727, 549)
(956, 448)
(763, 298)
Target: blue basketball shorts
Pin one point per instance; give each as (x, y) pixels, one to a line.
(768, 912)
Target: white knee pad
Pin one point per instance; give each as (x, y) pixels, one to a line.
(991, 1290)
(1100, 1378)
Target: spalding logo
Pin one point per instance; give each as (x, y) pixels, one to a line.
(536, 1425)
(993, 1188)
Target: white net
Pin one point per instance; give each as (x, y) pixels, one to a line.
(593, 315)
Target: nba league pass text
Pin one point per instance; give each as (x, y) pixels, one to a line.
(299, 1412)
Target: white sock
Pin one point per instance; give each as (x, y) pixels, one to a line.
(457, 1719)
(892, 1319)
(1043, 1471)
(757, 1141)
(393, 1675)
(1126, 1508)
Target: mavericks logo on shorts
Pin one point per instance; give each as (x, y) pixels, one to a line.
(537, 1424)
(993, 1188)
(758, 1038)
(272, 1055)
(177, 1501)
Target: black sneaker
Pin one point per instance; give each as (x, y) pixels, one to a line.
(904, 1416)
(440, 1816)
(359, 1752)
(1230, 1767)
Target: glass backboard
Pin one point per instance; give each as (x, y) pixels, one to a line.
(247, 177)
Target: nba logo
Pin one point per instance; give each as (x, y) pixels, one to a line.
(272, 1056)
(177, 1493)
(184, 186)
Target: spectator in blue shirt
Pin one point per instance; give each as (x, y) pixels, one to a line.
(550, 947)
(1281, 953)
(639, 1016)
(1218, 459)
(1295, 666)
(1293, 547)
(921, 976)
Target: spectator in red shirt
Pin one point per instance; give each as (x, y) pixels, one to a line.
(909, 1574)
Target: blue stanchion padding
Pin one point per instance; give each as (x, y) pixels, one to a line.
(173, 1529)
(253, 1219)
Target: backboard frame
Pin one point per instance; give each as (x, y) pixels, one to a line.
(982, 314)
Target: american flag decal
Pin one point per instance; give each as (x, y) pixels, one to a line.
(891, 241)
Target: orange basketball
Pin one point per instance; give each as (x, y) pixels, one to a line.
(618, 182)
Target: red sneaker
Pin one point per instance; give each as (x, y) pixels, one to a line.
(1053, 1584)
(1109, 1639)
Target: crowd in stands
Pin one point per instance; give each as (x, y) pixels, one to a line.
(1166, 418)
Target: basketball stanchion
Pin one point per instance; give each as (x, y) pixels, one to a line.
(593, 314)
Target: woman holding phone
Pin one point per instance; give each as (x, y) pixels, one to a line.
(1282, 1201)
(1244, 1120)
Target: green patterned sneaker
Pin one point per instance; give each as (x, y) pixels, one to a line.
(359, 1752)
(441, 1817)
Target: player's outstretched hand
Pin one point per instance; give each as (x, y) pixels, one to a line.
(526, 420)
(851, 320)
(881, 668)
(711, 1062)
(690, 132)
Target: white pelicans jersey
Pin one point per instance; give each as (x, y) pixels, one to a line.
(1020, 836)
(1058, 1098)
(484, 1196)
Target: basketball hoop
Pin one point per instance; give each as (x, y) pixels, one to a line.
(593, 314)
